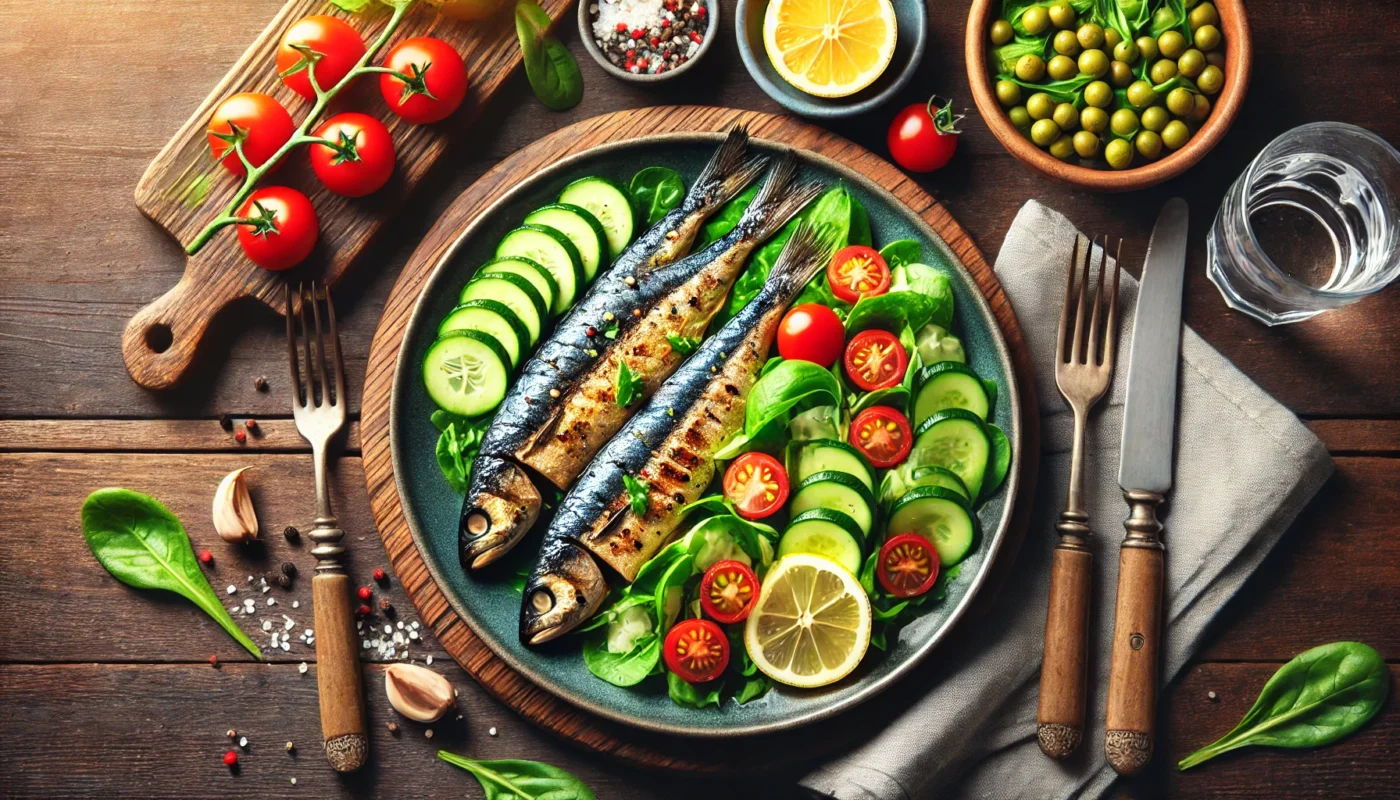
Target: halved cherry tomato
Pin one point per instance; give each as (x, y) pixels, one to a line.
(339, 47)
(858, 271)
(362, 160)
(811, 332)
(882, 435)
(256, 120)
(697, 650)
(908, 565)
(285, 231)
(876, 360)
(437, 80)
(756, 484)
(728, 591)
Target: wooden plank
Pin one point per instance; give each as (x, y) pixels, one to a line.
(159, 435)
(1358, 436)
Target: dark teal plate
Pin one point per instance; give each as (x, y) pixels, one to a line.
(490, 605)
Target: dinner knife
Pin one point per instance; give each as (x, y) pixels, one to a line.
(1145, 475)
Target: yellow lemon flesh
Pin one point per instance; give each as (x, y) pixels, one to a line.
(811, 626)
(829, 48)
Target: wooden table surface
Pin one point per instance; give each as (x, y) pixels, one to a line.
(106, 692)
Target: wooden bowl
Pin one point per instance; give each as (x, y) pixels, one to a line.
(1239, 53)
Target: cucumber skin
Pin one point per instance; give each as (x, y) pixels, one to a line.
(946, 557)
(868, 478)
(566, 299)
(974, 487)
(570, 196)
(483, 339)
(497, 266)
(541, 319)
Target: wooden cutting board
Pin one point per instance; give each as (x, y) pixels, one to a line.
(184, 188)
(782, 751)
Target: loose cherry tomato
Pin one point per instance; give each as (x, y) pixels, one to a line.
(285, 230)
(757, 485)
(437, 80)
(728, 591)
(697, 650)
(882, 435)
(339, 47)
(908, 565)
(923, 137)
(811, 332)
(858, 271)
(256, 120)
(876, 360)
(362, 160)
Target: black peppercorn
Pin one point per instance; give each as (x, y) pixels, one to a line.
(260, 383)
(293, 535)
(285, 581)
(289, 569)
(226, 422)
(387, 607)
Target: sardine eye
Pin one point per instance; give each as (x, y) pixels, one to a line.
(478, 522)
(541, 601)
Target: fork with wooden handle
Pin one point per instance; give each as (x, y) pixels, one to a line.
(319, 407)
(1083, 378)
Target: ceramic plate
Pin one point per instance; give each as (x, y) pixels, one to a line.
(490, 603)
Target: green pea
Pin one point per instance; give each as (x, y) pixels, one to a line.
(1124, 122)
(1119, 154)
(1008, 93)
(1030, 68)
(1035, 20)
(1020, 119)
(1090, 36)
(1111, 38)
(1062, 15)
(1155, 119)
(1093, 62)
(1140, 94)
(1163, 70)
(1148, 143)
(1044, 132)
(1171, 44)
(1120, 75)
(1086, 144)
(1147, 46)
(1040, 106)
(1066, 116)
(1062, 148)
(1127, 52)
(1202, 109)
(1098, 94)
(1180, 101)
(1002, 32)
(1066, 43)
(1207, 37)
(1176, 135)
(1093, 120)
(1215, 58)
(1211, 80)
(1202, 15)
(1061, 68)
(1191, 63)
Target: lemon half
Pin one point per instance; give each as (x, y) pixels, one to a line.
(811, 626)
(830, 48)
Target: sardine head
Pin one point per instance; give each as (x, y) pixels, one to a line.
(560, 596)
(497, 516)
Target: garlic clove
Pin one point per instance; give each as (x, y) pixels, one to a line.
(418, 693)
(234, 517)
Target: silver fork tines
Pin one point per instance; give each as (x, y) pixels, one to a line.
(318, 402)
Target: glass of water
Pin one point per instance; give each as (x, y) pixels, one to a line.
(1312, 224)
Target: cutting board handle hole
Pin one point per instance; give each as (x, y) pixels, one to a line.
(159, 337)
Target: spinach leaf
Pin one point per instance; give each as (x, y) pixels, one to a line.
(521, 780)
(457, 445)
(691, 695)
(629, 385)
(1321, 696)
(656, 190)
(791, 386)
(685, 345)
(550, 67)
(622, 669)
(142, 544)
(1069, 90)
(725, 219)
(638, 494)
(918, 294)
(901, 252)
(860, 225)
(753, 688)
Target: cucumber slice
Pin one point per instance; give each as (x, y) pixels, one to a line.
(465, 373)
(827, 533)
(515, 293)
(931, 475)
(897, 482)
(538, 276)
(552, 250)
(582, 228)
(608, 204)
(494, 319)
(949, 384)
(956, 440)
(838, 491)
(829, 455)
(937, 515)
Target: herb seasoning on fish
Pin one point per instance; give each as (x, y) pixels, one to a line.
(649, 36)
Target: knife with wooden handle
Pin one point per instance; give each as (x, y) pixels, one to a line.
(1145, 475)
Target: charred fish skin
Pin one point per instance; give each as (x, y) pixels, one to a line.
(567, 589)
(499, 509)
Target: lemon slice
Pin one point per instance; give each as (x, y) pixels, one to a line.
(829, 48)
(811, 626)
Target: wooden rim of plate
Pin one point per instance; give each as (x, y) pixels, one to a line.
(634, 746)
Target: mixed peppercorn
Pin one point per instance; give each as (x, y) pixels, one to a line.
(649, 36)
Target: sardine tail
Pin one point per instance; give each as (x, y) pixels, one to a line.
(728, 171)
(779, 200)
(805, 252)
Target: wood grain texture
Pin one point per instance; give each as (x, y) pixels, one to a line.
(1131, 716)
(1064, 668)
(534, 703)
(338, 686)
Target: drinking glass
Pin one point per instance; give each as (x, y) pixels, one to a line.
(1321, 198)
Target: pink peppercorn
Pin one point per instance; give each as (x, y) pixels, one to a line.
(240, 437)
(231, 759)
(696, 37)
(365, 592)
(205, 556)
(638, 33)
(621, 27)
(379, 575)
(700, 12)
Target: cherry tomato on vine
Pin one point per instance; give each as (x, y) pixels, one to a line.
(876, 360)
(728, 591)
(339, 45)
(362, 160)
(285, 230)
(256, 120)
(858, 271)
(756, 484)
(923, 137)
(697, 650)
(811, 332)
(882, 435)
(908, 565)
(437, 80)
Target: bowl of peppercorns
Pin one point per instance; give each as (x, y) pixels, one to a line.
(645, 41)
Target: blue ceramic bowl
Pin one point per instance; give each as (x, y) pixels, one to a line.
(912, 19)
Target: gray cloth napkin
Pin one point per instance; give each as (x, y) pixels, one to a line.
(1245, 467)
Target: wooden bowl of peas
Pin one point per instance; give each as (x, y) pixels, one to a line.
(1108, 95)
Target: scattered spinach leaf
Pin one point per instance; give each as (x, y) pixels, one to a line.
(550, 67)
(629, 385)
(901, 252)
(521, 780)
(655, 191)
(610, 332)
(638, 494)
(725, 219)
(685, 345)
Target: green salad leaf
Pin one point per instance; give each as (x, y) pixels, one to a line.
(458, 442)
(629, 385)
(690, 695)
(629, 667)
(638, 494)
(918, 294)
(901, 252)
(655, 191)
(725, 219)
(550, 67)
(521, 780)
(685, 345)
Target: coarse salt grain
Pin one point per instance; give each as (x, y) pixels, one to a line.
(296, 604)
(302, 667)
(232, 589)
(267, 624)
(428, 661)
(492, 730)
(635, 14)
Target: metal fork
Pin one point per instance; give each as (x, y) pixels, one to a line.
(1083, 370)
(319, 407)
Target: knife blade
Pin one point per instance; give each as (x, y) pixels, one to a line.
(1149, 415)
